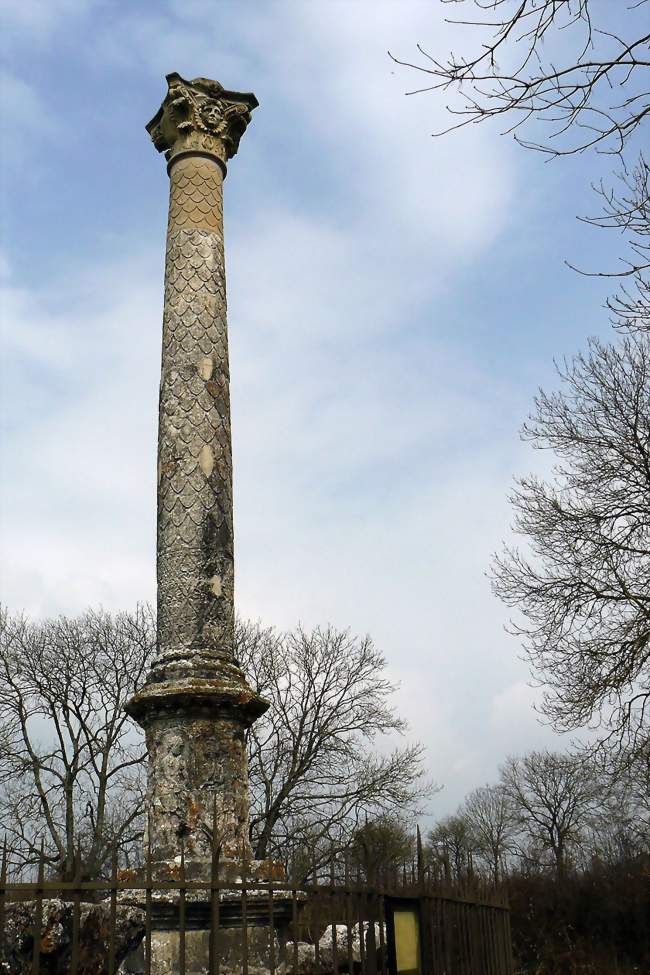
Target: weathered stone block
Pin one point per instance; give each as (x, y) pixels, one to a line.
(55, 939)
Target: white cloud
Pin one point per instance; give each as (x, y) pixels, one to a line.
(325, 80)
(77, 377)
(372, 453)
(453, 192)
(364, 495)
(24, 119)
(37, 21)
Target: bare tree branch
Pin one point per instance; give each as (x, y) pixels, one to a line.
(547, 62)
(313, 770)
(582, 586)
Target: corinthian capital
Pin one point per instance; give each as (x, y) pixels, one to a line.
(200, 116)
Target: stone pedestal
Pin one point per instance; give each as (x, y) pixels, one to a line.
(261, 940)
(198, 771)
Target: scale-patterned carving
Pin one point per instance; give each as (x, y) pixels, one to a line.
(195, 195)
(195, 528)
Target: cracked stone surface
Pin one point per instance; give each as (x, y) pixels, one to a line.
(56, 930)
(201, 758)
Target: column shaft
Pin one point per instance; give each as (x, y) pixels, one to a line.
(195, 525)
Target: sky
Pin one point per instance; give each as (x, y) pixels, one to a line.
(395, 301)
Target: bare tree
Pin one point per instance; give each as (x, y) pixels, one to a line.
(620, 829)
(382, 844)
(564, 81)
(493, 822)
(555, 796)
(70, 759)
(554, 62)
(452, 845)
(583, 587)
(314, 775)
(577, 880)
(626, 209)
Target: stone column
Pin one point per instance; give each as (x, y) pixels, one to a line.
(196, 704)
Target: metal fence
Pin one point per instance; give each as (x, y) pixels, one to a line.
(398, 922)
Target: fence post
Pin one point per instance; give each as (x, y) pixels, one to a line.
(38, 914)
(76, 911)
(113, 915)
(3, 894)
(348, 911)
(244, 913)
(315, 883)
(147, 904)
(381, 912)
(181, 913)
(335, 946)
(214, 894)
(360, 921)
(294, 911)
(271, 929)
(508, 940)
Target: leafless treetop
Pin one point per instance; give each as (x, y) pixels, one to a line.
(552, 61)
